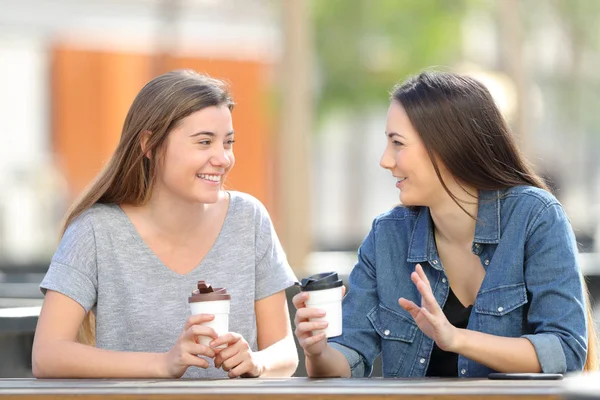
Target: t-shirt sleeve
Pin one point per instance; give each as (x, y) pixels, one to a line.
(273, 273)
(73, 270)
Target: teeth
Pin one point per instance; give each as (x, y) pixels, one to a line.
(401, 179)
(212, 178)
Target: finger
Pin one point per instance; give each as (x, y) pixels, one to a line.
(195, 361)
(301, 334)
(226, 354)
(419, 270)
(234, 361)
(243, 368)
(197, 319)
(199, 330)
(299, 300)
(308, 327)
(199, 350)
(343, 291)
(229, 338)
(305, 314)
(430, 317)
(428, 298)
(409, 306)
(309, 341)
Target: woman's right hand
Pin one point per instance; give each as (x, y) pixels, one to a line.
(187, 349)
(313, 345)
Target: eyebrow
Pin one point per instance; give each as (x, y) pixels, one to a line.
(211, 134)
(392, 134)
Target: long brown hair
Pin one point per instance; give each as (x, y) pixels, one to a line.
(460, 126)
(129, 175)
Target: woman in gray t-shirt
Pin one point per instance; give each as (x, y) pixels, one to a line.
(155, 222)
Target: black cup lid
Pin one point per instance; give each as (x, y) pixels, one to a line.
(325, 280)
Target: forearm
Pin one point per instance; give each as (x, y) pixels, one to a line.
(499, 353)
(280, 359)
(65, 359)
(331, 363)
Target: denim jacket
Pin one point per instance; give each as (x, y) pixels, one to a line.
(532, 288)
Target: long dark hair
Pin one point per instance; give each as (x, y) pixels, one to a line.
(460, 125)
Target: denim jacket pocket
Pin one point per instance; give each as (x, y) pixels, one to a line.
(501, 300)
(397, 332)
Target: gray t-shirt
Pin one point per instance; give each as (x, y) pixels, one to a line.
(141, 305)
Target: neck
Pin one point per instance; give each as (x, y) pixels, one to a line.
(451, 223)
(175, 218)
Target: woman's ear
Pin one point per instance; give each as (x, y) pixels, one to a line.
(144, 144)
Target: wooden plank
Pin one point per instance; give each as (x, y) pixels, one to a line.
(329, 396)
(292, 389)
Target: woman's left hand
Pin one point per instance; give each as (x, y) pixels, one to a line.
(237, 358)
(429, 317)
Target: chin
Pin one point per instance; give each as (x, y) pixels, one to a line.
(207, 198)
(410, 201)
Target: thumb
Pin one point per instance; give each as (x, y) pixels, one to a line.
(409, 306)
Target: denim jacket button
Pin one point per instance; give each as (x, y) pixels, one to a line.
(487, 262)
(386, 332)
(434, 262)
(500, 309)
(422, 361)
(463, 371)
(443, 280)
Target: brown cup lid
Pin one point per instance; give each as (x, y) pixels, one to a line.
(205, 292)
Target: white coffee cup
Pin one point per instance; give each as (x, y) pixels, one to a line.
(220, 324)
(325, 292)
(215, 301)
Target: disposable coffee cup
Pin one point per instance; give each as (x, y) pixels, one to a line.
(325, 293)
(215, 301)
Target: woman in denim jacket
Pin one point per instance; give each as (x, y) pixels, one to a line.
(476, 272)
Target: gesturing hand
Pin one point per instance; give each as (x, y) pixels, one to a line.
(429, 317)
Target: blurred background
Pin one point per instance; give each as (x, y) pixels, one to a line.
(311, 80)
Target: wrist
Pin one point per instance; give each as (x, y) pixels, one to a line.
(315, 357)
(159, 365)
(259, 363)
(458, 341)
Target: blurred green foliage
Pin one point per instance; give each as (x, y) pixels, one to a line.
(364, 47)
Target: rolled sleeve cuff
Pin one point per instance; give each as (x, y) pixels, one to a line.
(72, 283)
(357, 366)
(549, 352)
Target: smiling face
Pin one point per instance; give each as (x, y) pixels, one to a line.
(198, 155)
(407, 159)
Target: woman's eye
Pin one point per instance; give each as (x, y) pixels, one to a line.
(204, 142)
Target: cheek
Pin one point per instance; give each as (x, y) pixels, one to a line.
(178, 166)
(231, 160)
(400, 157)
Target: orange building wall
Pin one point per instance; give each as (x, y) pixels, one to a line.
(92, 91)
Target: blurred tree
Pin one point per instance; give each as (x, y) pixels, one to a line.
(364, 47)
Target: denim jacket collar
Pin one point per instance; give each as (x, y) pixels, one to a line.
(487, 228)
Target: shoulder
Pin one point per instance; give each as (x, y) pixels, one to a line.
(530, 207)
(97, 218)
(530, 195)
(244, 204)
(527, 202)
(96, 215)
(397, 216)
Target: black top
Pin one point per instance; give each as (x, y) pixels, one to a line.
(445, 363)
